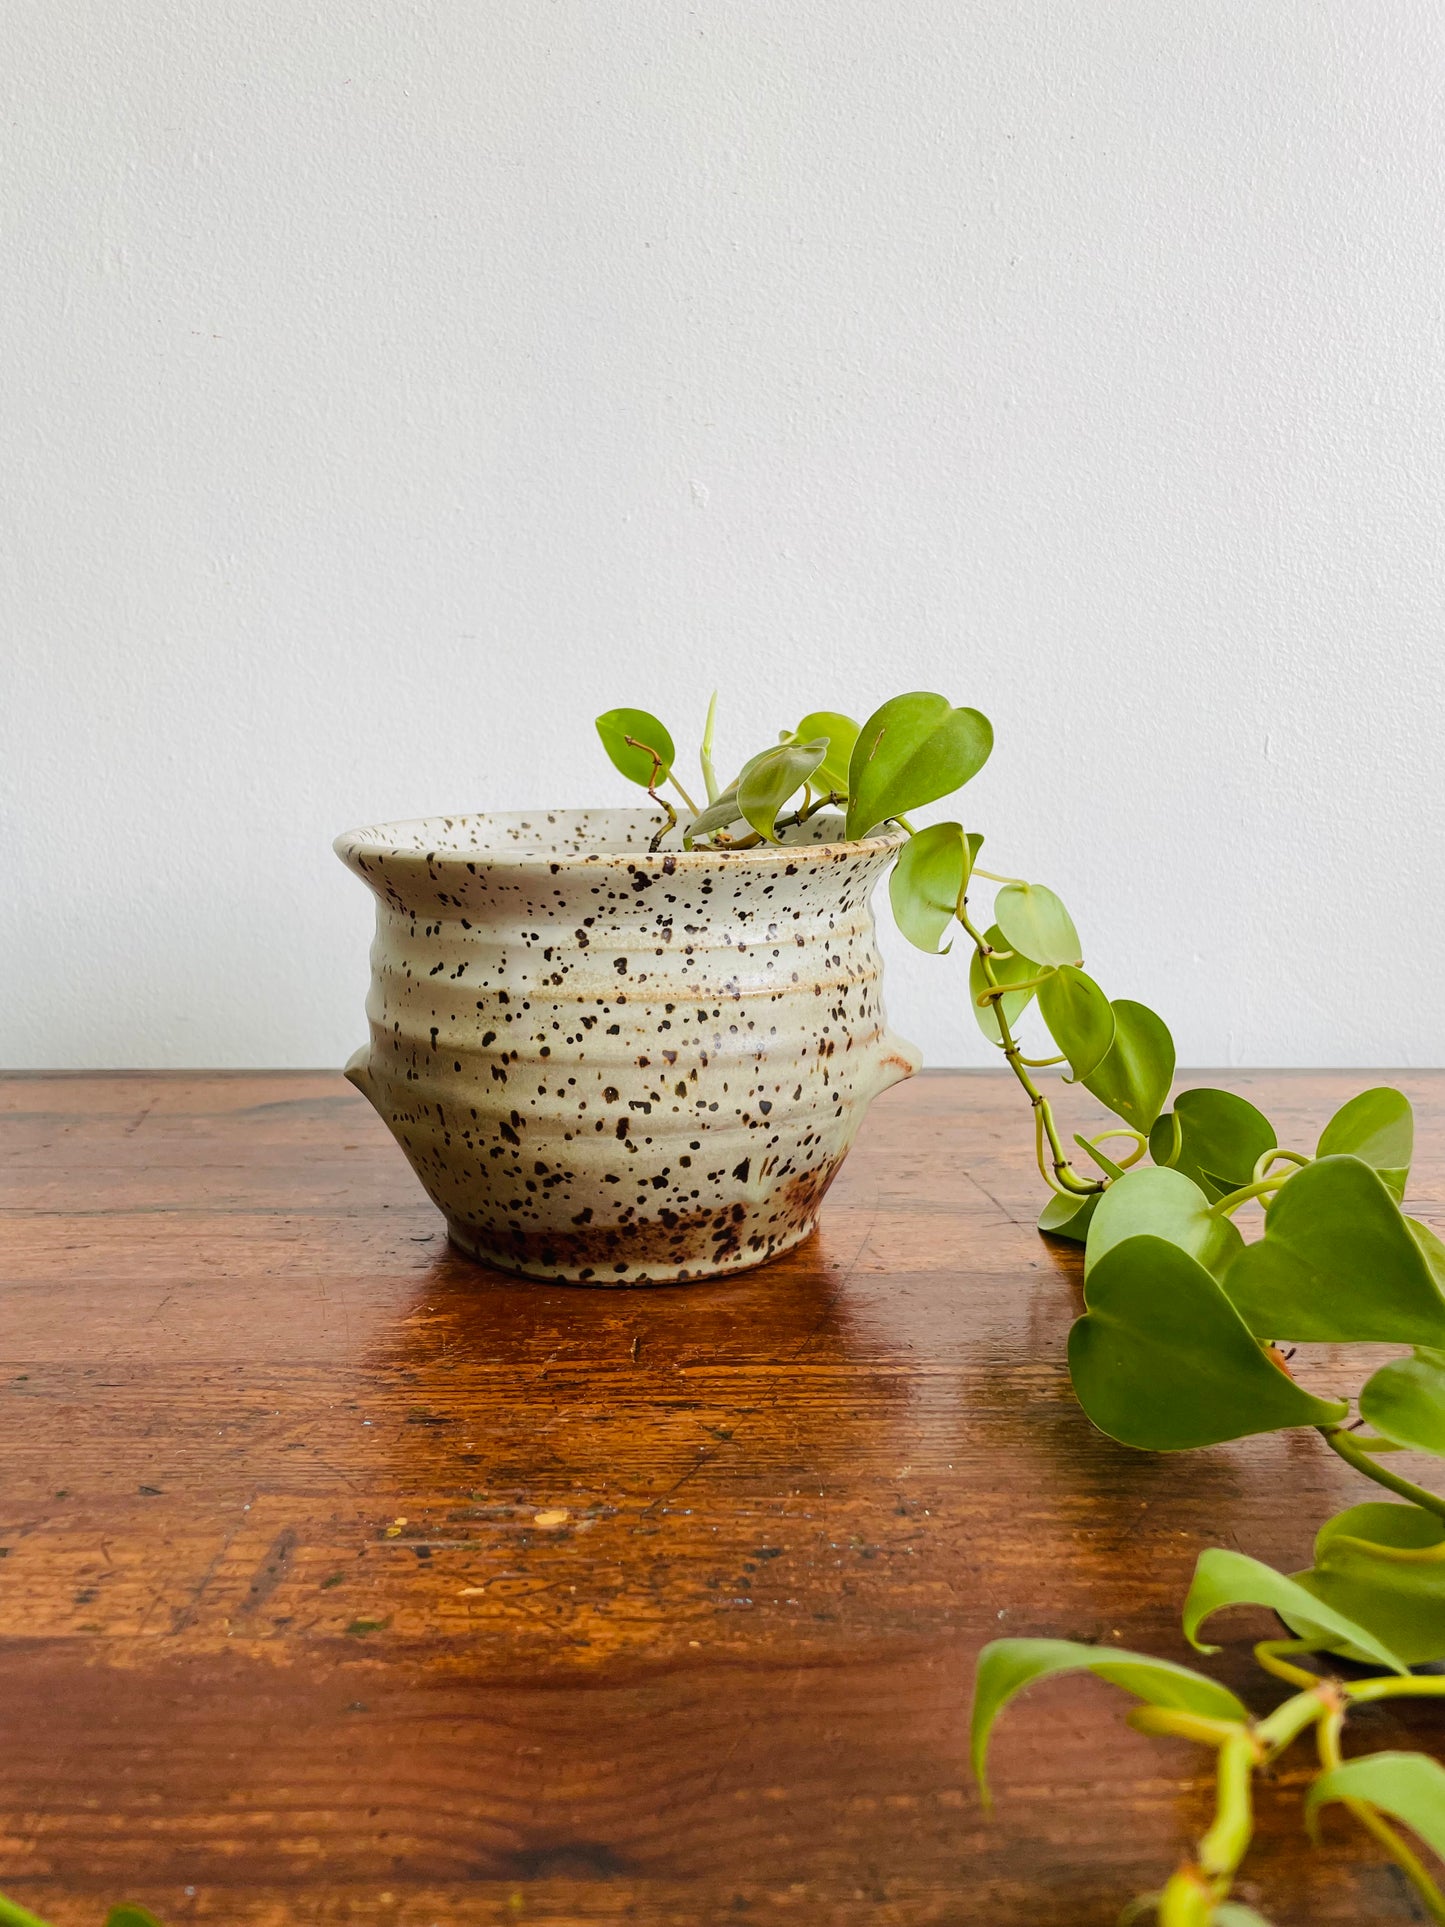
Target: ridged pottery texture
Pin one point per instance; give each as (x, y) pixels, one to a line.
(620, 1067)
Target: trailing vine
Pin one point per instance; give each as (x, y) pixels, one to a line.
(1181, 1340)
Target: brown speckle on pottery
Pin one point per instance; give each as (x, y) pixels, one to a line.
(614, 1066)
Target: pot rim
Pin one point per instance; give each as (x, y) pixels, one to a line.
(380, 840)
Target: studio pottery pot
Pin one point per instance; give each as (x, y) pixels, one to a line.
(616, 1066)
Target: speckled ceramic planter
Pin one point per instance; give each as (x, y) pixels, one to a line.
(613, 1066)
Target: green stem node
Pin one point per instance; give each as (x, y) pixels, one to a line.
(1289, 1719)
(671, 823)
(1188, 1900)
(992, 995)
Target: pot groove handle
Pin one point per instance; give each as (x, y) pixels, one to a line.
(358, 1070)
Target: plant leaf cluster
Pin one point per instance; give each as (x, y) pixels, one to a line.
(911, 751)
(1383, 1791)
(1180, 1341)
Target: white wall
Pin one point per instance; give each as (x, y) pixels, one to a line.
(387, 388)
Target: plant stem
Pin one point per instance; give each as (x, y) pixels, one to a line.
(1203, 1884)
(671, 823)
(1058, 1173)
(1404, 1857)
(672, 778)
(1344, 1446)
(1198, 1887)
(1178, 1724)
(1269, 1653)
(722, 844)
(992, 995)
(1276, 1156)
(1415, 1686)
(1188, 1900)
(1224, 1207)
(807, 809)
(1227, 1841)
(709, 774)
(657, 777)
(1091, 1144)
(1289, 1719)
(1176, 1137)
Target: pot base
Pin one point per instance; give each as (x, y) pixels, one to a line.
(545, 1268)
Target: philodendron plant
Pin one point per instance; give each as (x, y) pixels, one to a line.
(1182, 1341)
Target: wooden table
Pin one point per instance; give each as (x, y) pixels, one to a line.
(346, 1582)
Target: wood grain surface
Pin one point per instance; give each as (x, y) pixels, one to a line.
(342, 1581)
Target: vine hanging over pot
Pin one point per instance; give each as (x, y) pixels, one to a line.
(1183, 1337)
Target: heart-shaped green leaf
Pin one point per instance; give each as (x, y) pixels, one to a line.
(1406, 1401)
(130, 1915)
(1009, 967)
(841, 732)
(1379, 1127)
(773, 777)
(1034, 921)
(638, 745)
(1069, 1217)
(913, 750)
(1007, 1666)
(1079, 1016)
(1214, 1137)
(724, 810)
(1337, 1263)
(1223, 1578)
(1162, 1361)
(1384, 1567)
(1135, 1076)
(1410, 1787)
(720, 814)
(927, 881)
(1163, 1204)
